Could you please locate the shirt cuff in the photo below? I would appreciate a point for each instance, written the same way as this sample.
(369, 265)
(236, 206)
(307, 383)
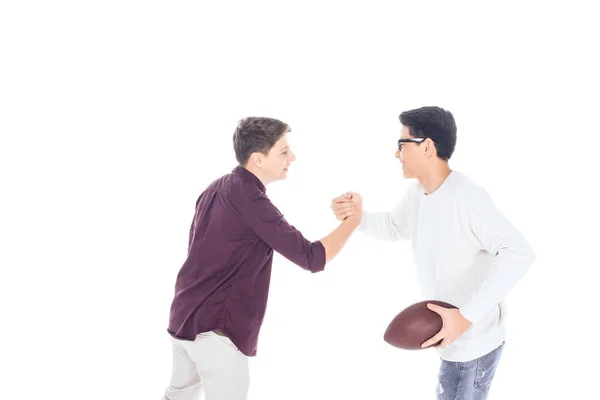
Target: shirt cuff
(473, 312)
(317, 263)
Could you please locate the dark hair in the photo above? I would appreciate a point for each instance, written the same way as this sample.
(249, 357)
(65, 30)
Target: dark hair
(434, 123)
(256, 134)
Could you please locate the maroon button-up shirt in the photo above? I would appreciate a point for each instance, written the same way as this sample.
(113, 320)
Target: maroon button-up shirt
(224, 282)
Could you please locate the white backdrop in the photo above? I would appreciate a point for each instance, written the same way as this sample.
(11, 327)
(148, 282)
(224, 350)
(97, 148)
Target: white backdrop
(115, 115)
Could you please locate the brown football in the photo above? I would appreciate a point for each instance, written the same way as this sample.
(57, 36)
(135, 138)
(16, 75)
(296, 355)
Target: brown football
(414, 325)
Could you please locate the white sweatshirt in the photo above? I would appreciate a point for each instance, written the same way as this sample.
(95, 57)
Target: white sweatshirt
(466, 252)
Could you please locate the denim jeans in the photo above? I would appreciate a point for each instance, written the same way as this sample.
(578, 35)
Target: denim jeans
(469, 380)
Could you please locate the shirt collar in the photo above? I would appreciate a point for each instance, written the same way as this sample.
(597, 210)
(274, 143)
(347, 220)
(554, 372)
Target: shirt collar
(249, 176)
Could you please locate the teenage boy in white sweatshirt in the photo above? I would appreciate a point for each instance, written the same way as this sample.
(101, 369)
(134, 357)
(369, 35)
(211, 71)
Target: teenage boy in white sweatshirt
(467, 253)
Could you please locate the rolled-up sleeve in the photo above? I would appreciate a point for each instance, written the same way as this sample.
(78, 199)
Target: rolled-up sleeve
(270, 226)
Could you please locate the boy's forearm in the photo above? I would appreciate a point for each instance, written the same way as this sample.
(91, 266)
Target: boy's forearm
(335, 241)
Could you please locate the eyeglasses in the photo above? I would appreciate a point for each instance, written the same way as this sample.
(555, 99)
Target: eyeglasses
(410, 140)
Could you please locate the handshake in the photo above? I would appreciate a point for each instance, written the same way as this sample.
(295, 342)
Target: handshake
(348, 206)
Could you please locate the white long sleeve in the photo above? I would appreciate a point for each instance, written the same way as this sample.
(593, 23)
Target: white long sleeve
(392, 225)
(512, 255)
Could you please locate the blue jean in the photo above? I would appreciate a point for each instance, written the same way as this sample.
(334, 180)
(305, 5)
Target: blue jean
(469, 380)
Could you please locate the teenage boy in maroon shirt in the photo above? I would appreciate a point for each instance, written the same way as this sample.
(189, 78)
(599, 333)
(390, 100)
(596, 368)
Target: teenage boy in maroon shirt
(222, 288)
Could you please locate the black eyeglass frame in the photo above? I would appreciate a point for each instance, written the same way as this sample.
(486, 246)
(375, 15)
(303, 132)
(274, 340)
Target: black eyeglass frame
(410, 140)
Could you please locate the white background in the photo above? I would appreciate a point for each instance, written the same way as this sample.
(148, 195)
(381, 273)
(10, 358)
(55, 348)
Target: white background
(115, 115)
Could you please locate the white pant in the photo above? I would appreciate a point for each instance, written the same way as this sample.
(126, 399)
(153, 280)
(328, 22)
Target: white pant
(211, 363)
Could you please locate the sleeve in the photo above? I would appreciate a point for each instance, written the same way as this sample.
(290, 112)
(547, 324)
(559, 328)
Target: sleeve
(391, 225)
(512, 254)
(270, 226)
